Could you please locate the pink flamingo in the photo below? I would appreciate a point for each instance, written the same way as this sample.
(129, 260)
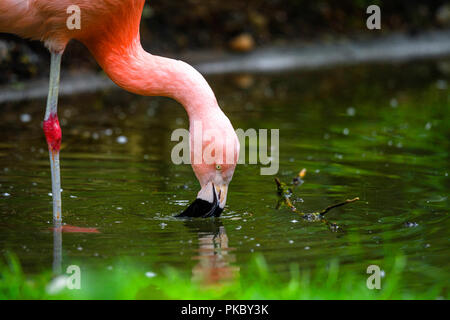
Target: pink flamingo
(110, 30)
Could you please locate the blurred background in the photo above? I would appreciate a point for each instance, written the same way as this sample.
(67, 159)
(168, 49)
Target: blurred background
(198, 28)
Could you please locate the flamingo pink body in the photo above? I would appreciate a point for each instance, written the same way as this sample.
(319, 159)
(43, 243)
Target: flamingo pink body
(110, 30)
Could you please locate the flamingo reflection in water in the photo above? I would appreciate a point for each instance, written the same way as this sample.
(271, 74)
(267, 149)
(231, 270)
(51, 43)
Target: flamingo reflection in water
(215, 258)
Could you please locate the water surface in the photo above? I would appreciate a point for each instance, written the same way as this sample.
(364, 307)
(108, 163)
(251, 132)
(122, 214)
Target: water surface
(379, 132)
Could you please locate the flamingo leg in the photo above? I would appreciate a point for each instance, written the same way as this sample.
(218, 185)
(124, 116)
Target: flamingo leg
(52, 132)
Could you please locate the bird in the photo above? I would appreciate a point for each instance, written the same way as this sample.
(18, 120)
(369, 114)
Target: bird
(110, 31)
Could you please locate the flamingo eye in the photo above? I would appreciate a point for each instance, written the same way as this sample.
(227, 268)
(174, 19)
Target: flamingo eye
(218, 167)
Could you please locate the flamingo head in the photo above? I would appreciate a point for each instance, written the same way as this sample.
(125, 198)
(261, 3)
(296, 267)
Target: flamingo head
(214, 155)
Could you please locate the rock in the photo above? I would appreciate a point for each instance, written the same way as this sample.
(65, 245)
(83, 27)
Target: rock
(244, 81)
(242, 43)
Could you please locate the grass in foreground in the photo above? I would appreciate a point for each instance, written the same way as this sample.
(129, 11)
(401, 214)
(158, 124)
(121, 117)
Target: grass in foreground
(126, 281)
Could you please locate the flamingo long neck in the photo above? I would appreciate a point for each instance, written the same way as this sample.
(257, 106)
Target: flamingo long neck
(140, 72)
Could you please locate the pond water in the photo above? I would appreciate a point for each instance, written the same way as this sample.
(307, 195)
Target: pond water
(378, 132)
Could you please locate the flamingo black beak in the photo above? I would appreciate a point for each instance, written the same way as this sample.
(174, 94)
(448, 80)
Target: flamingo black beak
(210, 202)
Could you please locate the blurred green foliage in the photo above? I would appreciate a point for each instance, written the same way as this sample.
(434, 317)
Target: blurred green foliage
(258, 282)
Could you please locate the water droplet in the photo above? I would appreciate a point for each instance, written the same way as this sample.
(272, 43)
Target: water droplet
(441, 84)
(25, 117)
(351, 111)
(122, 139)
(410, 224)
(346, 131)
(150, 274)
(307, 248)
(291, 241)
(393, 103)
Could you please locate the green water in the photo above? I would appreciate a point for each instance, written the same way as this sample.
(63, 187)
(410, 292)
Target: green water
(378, 132)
